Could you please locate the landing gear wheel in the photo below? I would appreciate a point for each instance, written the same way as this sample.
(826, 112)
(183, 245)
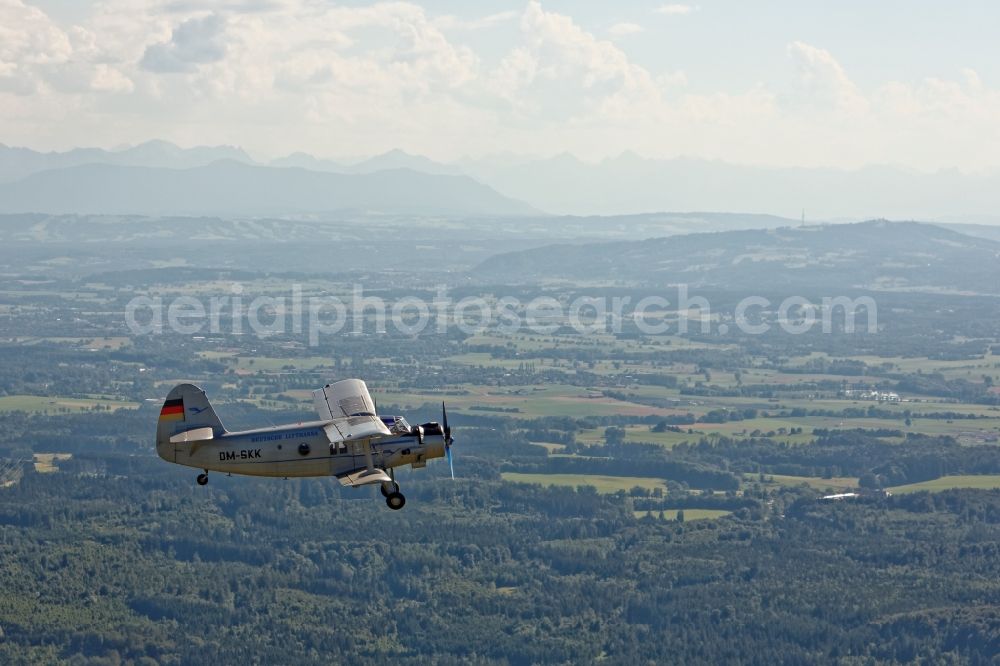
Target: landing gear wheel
(385, 493)
(202, 479)
(395, 501)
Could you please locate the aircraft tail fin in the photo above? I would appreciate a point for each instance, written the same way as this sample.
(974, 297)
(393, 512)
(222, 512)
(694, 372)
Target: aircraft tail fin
(186, 408)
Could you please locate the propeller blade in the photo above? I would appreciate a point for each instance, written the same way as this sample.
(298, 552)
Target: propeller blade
(446, 429)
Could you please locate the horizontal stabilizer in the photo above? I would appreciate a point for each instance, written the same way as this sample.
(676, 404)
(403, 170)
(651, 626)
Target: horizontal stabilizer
(365, 477)
(194, 435)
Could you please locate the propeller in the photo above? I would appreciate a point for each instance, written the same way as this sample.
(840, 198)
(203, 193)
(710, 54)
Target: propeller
(448, 441)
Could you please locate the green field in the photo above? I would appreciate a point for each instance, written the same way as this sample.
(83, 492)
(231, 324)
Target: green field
(837, 483)
(48, 462)
(604, 484)
(50, 405)
(640, 433)
(89, 343)
(689, 514)
(251, 364)
(529, 401)
(643, 434)
(984, 481)
(552, 447)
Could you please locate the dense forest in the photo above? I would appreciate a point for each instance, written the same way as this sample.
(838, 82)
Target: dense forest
(147, 568)
(119, 557)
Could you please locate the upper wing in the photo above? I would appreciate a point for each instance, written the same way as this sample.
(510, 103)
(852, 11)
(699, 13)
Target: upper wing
(350, 409)
(348, 397)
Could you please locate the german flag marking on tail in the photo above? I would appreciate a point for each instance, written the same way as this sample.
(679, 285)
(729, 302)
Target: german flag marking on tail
(173, 410)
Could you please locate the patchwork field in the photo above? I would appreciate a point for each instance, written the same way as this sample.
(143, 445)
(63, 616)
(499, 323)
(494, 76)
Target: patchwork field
(525, 401)
(49, 405)
(836, 484)
(985, 481)
(47, 462)
(689, 514)
(603, 484)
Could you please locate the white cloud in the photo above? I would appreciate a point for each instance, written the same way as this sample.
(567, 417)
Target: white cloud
(577, 76)
(675, 10)
(451, 22)
(37, 56)
(623, 29)
(193, 42)
(824, 81)
(282, 75)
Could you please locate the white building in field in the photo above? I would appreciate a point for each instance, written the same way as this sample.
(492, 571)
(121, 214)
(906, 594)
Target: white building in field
(872, 394)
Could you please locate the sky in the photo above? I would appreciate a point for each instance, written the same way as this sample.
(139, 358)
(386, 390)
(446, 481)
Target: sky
(779, 82)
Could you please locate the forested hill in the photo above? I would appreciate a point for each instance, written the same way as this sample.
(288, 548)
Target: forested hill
(875, 254)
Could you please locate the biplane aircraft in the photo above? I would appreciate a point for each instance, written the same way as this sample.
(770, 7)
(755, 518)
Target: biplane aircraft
(349, 441)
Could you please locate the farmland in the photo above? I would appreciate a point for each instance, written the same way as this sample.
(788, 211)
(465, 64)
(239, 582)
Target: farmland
(603, 484)
(628, 484)
(983, 482)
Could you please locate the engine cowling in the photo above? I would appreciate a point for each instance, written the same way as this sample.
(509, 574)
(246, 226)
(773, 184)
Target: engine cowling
(433, 428)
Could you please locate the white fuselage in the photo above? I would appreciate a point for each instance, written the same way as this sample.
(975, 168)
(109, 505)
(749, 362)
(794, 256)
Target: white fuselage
(298, 450)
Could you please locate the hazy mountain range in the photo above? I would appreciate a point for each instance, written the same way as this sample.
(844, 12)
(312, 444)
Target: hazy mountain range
(630, 183)
(228, 187)
(394, 159)
(504, 185)
(17, 163)
(869, 255)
